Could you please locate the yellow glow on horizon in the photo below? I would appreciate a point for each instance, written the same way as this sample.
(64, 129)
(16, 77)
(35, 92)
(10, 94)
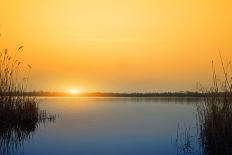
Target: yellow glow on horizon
(74, 91)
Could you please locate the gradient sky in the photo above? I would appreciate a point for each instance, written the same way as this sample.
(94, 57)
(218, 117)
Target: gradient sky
(118, 45)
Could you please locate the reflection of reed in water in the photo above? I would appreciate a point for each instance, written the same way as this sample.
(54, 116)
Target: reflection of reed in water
(215, 124)
(19, 113)
(14, 132)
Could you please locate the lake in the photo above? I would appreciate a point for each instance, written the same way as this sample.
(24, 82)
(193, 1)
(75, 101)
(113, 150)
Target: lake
(111, 126)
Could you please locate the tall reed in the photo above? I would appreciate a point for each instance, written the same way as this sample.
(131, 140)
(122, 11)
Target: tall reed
(215, 114)
(19, 112)
(14, 105)
(214, 118)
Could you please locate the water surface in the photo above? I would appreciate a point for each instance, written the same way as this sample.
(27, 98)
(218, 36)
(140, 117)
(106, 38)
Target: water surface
(111, 126)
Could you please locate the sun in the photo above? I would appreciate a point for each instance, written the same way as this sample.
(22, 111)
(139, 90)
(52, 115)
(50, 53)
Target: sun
(74, 91)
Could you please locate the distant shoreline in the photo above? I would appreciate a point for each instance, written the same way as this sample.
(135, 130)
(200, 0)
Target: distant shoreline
(109, 94)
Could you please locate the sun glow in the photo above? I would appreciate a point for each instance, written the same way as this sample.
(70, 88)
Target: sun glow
(74, 91)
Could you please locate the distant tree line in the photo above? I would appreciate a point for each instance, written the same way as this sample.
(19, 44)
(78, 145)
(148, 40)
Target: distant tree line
(110, 94)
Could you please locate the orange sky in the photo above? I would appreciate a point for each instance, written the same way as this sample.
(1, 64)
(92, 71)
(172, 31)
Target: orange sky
(118, 45)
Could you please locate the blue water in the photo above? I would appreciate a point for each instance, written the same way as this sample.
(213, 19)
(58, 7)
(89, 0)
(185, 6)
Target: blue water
(111, 126)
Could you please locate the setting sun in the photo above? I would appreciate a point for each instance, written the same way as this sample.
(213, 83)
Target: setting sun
(74, 91)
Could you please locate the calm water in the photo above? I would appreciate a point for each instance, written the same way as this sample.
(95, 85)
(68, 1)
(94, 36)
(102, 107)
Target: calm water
(111, 126)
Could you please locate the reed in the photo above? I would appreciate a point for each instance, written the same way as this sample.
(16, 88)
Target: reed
(19, 112)
(215, 114)
(14, 105)
(214, 118)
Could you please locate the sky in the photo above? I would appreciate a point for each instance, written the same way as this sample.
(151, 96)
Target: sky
(118, 45)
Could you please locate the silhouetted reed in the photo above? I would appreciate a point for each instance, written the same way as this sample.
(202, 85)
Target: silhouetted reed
(214, 117)
(19, 112)
(215, 114)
